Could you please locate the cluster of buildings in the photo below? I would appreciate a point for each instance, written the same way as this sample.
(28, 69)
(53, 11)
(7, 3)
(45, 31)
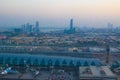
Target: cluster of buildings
(62, 56)
(29, 28)
(71, 40)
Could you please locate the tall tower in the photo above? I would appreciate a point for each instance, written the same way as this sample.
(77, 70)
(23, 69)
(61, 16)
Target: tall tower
(108, 54)
(37, 27)
(71, 29)
(110, 26)
(23, 28)
(71, 24)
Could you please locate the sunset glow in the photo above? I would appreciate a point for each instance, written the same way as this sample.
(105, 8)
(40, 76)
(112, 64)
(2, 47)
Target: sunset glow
(85, 12)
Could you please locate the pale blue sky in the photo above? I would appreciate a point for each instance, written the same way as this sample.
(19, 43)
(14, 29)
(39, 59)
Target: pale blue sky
(56, 13)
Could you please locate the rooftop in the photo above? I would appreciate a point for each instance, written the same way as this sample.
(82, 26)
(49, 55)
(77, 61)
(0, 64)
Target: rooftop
(94, 71)
(47, 58)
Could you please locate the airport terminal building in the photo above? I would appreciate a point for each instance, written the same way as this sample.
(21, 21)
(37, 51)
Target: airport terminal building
(44, 60)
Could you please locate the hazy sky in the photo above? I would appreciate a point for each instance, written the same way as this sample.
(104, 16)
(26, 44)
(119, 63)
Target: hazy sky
(96, 13)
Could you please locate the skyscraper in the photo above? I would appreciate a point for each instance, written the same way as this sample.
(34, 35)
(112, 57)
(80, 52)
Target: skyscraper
(110, 26)
(71, 24)
(37, 27)
(28, 28)
(23, 28)
(71, 29)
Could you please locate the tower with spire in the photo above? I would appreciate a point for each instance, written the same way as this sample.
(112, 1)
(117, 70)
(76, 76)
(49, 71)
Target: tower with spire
(71, 30)
(108, 54)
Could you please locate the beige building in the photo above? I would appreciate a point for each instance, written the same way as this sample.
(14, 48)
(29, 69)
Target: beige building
(96, 73)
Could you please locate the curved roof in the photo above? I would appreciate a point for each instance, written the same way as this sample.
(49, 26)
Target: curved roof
(53, 59)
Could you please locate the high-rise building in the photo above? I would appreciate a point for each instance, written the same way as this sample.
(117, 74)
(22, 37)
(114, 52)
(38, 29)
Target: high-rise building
(23, 28)
(37, 27)
(71, 29)
(71, 24)
(110, 26)
(29, 28)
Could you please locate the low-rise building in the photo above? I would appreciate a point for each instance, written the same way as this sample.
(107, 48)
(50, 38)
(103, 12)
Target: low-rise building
(96, 73)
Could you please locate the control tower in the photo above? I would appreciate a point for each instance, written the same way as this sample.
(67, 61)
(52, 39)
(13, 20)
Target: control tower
(108, 54)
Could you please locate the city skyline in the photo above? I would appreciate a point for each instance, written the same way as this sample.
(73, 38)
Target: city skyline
(57, 13)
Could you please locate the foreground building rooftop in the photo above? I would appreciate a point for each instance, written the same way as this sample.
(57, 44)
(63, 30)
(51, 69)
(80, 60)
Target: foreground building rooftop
(96, 73)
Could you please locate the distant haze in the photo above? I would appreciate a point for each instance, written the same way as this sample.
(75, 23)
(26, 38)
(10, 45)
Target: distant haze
(57, 13)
